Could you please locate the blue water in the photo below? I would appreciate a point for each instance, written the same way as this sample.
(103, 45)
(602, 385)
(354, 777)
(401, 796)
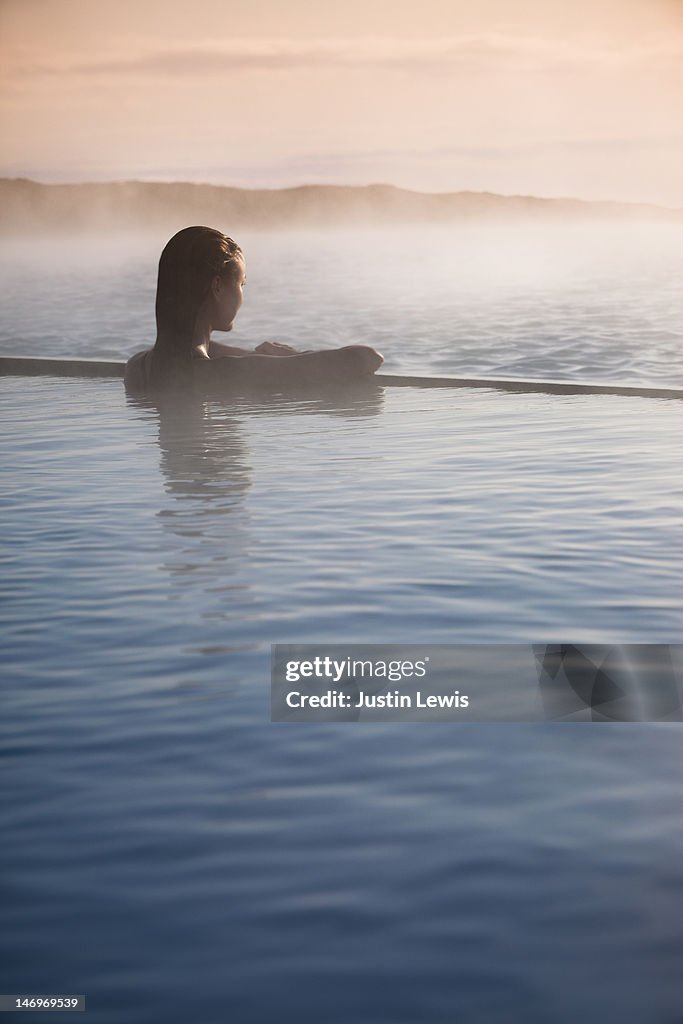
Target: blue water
(176, 857)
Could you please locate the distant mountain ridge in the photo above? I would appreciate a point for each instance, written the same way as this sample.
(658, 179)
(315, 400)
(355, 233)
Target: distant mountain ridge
(30, 206)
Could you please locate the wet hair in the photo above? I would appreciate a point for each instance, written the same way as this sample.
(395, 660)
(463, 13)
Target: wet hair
(187, 266)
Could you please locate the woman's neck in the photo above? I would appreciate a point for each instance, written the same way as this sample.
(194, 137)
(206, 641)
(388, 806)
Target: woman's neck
(200, 343)
(202, 334)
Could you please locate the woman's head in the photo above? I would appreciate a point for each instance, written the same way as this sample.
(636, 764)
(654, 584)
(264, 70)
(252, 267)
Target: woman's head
(201, 272)
(224, 298)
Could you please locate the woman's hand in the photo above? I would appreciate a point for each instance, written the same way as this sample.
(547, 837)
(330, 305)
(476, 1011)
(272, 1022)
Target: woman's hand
(275, 348)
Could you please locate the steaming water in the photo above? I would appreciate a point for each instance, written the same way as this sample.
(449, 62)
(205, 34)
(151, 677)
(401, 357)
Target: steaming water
(176, 857)
(573, 302)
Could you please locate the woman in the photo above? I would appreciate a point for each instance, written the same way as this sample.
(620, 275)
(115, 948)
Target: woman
(200, 287)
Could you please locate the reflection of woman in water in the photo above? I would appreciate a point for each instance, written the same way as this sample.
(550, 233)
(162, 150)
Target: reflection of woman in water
(200, 286)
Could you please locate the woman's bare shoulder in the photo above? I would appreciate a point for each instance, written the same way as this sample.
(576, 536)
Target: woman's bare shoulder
(136, 370)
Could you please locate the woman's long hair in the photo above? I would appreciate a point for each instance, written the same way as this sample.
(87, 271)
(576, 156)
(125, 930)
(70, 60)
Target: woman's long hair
(187, 267)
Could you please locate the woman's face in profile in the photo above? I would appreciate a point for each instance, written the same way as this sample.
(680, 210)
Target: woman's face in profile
(227, 294)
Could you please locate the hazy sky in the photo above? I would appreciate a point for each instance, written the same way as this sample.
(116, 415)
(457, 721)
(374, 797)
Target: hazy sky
(543, 97)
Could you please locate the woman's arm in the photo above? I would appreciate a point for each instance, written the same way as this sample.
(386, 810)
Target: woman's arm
(353, 362)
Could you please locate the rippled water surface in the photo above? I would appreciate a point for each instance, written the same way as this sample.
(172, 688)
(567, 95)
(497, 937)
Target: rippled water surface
(578, 302)
(176, 857)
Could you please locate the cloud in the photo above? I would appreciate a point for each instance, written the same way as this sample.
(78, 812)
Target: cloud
(481, 51)
(365, 163)
(511, 151)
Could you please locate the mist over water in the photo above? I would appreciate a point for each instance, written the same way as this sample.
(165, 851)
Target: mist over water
(568, 301)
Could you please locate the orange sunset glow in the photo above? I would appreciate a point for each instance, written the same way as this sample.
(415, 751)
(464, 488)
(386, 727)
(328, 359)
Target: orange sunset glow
(543, 98)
